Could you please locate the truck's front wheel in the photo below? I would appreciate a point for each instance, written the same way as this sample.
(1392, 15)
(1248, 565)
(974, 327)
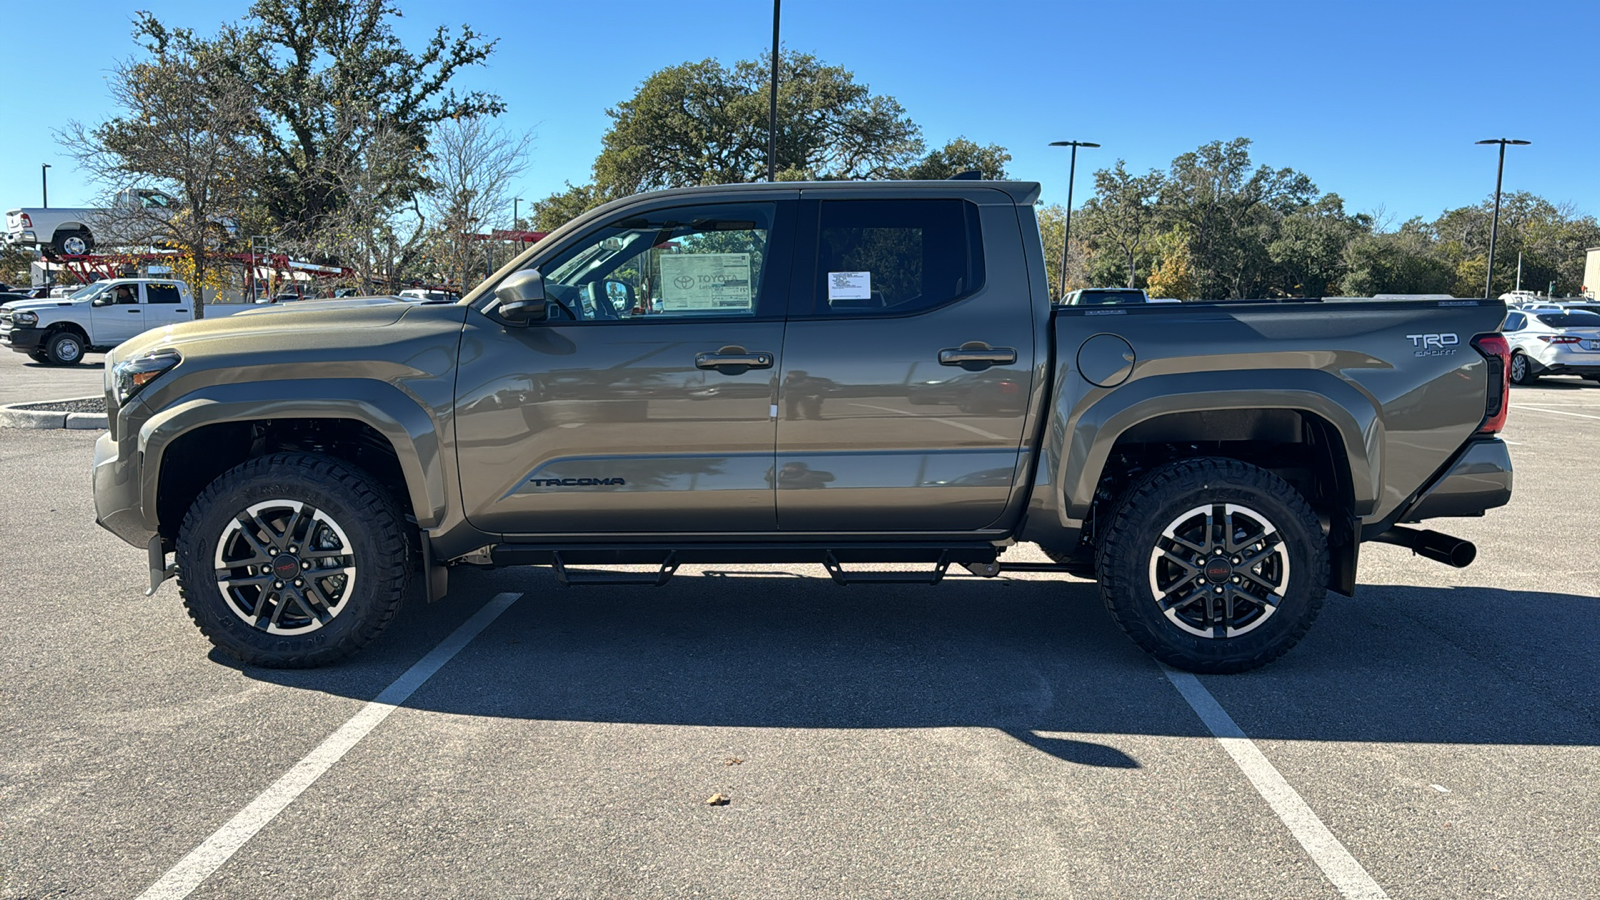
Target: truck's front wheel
(64, 348)
(1214, 565)
(293, 560)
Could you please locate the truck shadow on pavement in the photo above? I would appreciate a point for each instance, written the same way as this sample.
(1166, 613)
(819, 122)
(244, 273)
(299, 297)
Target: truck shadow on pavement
(1038, 660)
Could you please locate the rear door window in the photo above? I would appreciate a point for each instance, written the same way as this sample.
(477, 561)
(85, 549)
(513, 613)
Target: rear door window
(162, 293)
(894, 257)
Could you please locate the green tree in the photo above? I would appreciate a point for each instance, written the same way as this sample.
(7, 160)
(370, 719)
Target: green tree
(1122, 216)
(308, 62)
(562, 207)
(1230, 209)
(1308, 253)
(1397, 262)
(703, 123)
(960, 155)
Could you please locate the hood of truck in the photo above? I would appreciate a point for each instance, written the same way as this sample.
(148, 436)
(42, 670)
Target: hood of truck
(269, 328)
(17, 306)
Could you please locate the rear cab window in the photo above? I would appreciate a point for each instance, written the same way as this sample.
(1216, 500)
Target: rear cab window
(893, 257)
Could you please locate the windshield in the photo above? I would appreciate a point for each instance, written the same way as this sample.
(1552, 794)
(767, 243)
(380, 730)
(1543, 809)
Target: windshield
(93, 290)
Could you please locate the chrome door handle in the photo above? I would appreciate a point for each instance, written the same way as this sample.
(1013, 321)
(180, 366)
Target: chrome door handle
(728, 357)
(977, 354)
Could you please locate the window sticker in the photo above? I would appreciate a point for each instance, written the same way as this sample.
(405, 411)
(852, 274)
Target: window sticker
(705, 281)
(849, 286)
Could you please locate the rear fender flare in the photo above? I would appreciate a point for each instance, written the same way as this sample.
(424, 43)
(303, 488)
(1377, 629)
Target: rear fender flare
(1096, 428)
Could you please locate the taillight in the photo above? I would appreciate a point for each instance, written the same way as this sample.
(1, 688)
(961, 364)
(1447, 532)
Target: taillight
(1559, 339)
(27, 222)
(1497, 352)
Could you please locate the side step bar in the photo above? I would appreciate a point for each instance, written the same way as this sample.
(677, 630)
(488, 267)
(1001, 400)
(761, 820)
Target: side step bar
(1451, 551)
(977, 557)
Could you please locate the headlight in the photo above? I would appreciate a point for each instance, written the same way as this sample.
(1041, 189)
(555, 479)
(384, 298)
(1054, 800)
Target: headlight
(132, 375)
(25, 319)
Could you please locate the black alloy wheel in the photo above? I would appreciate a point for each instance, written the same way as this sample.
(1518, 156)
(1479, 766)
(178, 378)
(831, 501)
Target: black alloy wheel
(1213, 565)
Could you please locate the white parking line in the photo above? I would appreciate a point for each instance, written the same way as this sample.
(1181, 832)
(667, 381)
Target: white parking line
(195, 868)
(1555, 412)
(1331, 857)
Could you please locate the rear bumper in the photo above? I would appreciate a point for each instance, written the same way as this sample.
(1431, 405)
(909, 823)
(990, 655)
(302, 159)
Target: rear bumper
(1478, 480)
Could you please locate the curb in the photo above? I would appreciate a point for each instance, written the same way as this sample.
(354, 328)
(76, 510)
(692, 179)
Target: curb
(11, 417)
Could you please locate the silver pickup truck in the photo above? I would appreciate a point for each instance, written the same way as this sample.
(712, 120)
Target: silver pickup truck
(850, 374)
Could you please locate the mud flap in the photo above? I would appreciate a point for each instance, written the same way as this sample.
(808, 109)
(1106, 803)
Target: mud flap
(159, 570)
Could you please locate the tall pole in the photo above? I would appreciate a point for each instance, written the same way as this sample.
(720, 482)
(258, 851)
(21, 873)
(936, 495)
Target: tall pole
(772, 103)
(1519, 271)
(1494, 226)
(1066, 237)
(516, 220)
(44, 183)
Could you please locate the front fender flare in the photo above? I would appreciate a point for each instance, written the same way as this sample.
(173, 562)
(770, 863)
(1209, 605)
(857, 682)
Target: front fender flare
(396, 415)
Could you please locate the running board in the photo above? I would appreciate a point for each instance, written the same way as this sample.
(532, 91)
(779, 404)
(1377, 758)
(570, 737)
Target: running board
(977, 557)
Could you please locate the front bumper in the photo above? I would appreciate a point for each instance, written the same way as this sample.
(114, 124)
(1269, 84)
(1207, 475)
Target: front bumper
(117, 490)
(1479, 480)
(23, 340)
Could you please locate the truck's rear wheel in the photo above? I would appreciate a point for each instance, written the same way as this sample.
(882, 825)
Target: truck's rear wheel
(1214, 565)
(73, 243)
(293, 560)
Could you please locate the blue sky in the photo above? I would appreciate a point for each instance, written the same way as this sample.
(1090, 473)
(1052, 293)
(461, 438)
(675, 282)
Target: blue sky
(1379, 102)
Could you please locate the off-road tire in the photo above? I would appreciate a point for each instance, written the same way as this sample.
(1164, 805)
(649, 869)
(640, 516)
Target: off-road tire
(65, 348)
(1129, 553)
(369, 518)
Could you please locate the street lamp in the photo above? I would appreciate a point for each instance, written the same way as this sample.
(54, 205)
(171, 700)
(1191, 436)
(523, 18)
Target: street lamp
(1494, 227)
(44, 181)
(1071, 174)
(772, 103)
(516, 203)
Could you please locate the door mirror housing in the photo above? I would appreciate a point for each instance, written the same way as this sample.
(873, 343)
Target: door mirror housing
(104, 299)
(522, 299)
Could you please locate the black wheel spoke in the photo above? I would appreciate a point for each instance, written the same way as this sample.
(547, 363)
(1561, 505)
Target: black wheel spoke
(247, 531)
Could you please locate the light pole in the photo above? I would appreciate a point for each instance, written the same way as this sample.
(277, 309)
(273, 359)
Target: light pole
(772, 103)
(516, 204)
(44, 183)
(1494, 227)
(1072, 172)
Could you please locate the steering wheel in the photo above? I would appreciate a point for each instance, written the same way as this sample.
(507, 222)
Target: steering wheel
(600, 301)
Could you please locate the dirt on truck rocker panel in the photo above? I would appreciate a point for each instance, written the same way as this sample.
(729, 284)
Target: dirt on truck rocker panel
(843, 373)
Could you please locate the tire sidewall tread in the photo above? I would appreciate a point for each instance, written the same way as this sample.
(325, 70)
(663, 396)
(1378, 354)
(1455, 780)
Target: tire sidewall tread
(371, 519)
(1151, 503)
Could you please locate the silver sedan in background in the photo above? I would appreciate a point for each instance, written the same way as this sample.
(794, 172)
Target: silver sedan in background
(1553, 341)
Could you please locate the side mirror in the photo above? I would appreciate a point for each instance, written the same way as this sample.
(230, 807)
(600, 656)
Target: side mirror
(522, 299)
(102, 300)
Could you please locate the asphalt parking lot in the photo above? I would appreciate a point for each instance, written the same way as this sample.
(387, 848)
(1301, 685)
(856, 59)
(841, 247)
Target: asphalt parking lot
(981, 738)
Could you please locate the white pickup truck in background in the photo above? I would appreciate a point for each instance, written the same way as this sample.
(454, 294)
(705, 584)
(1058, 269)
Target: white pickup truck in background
(98, 317)
(131, 219)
